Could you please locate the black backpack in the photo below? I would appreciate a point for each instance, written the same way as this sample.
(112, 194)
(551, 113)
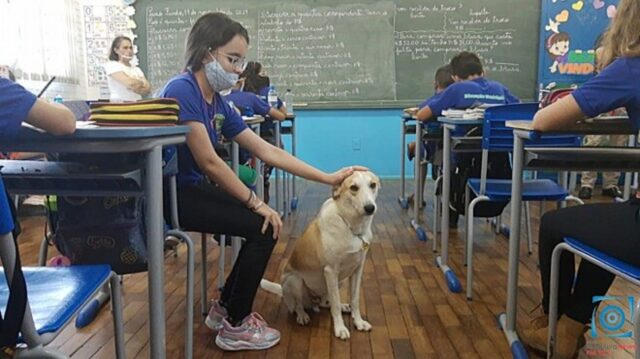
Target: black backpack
(468, 165)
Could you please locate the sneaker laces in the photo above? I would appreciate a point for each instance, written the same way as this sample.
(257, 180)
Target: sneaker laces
(253, 324)
(259, 318)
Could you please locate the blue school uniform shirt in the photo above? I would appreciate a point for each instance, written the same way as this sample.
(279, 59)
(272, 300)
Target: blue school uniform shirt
(464, 94)
(193, 107)
(263, 94)
(242, 99)
(430, 100)
(15, 104)
(615, 86)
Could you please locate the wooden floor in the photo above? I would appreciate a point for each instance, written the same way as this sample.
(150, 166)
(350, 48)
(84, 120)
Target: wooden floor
(405, 298)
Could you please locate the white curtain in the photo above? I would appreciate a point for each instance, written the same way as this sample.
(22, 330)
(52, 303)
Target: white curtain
(40, 39)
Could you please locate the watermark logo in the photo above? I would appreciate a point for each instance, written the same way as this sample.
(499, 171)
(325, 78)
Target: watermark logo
(608, 320)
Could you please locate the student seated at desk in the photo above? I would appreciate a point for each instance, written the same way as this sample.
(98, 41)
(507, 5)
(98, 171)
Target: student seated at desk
(211, 198)
(470, 88)
(18, 105)
(251, 102)
(443, 78)
(612, 228)
(257, 81)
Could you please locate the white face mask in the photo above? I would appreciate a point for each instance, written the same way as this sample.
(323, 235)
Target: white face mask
(219, 78)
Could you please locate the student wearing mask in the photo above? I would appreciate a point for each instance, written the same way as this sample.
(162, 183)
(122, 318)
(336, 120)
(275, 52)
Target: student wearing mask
(126, 81)
(211, 198)
(612, 228)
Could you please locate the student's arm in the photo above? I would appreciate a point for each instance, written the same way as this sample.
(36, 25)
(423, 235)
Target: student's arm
(279, 158)
(509, 97)
(433, 107)
(560, 115)
(424, 114)
(277, 114)
(218, 171)
(51, 117)
(139, 86)
(614, 87)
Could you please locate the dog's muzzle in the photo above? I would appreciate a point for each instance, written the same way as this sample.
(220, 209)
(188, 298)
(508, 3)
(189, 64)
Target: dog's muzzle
(369, 209)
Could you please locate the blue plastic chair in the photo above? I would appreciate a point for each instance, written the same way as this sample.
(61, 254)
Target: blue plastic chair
(496, 137)
(602, 260)
(54, 295)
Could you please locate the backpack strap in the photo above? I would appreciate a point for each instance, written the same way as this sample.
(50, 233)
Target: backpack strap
(16, 305)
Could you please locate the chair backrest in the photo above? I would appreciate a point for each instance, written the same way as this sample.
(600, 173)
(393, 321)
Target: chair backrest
(496, 137)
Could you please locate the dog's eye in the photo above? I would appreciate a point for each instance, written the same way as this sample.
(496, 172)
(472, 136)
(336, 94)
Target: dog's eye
(372, 185)
(354, 188)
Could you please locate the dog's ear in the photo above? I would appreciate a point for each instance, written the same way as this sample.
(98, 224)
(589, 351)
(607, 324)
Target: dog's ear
(337, 190)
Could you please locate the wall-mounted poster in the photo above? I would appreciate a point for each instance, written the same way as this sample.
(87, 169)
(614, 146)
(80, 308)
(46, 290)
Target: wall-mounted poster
(569, 30)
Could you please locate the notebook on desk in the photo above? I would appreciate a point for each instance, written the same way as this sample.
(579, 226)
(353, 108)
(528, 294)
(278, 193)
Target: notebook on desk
(79, 108)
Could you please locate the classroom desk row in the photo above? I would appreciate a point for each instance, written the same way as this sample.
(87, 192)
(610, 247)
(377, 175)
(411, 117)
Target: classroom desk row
(548, 158)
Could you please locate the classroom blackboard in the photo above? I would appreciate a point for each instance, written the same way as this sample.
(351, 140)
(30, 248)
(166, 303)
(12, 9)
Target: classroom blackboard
(365, 54)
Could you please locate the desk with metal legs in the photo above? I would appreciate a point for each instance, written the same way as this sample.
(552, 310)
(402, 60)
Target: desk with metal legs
(580, 158)
(148, 141)
(449, 125)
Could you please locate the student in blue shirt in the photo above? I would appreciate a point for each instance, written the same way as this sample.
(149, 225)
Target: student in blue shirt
(470, 88)
(442, 79)
(256, 81)
(211, 198)
(18, 105)
(613, 228)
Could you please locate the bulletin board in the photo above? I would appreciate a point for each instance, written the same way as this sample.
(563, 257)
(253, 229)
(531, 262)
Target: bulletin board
(569, 30)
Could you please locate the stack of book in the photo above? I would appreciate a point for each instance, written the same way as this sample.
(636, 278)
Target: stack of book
(474, 113)
(154, 112)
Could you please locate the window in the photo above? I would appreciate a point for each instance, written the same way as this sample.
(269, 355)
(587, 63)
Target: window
(41, 38)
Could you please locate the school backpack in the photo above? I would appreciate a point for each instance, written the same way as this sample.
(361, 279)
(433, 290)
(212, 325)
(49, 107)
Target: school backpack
(554, 95)
(468, 165)
(105, 229)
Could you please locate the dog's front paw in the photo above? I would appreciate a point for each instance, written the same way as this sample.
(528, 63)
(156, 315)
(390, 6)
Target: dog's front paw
(362, 325)
(345, 308)
(303, 318)
(341, 332)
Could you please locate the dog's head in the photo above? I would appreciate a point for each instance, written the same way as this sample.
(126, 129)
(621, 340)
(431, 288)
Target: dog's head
(358, 192)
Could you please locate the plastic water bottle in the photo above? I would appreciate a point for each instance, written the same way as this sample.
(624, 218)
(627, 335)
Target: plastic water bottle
(288, 101)
(272, 97)
(57, 99)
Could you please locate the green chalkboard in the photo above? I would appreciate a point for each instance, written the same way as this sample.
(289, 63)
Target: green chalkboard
(365, 54)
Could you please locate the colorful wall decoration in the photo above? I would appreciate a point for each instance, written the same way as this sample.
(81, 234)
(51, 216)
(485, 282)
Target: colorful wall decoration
(569, 30)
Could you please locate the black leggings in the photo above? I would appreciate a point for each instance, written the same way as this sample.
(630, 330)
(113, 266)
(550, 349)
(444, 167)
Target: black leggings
(209, 209)
(611, 228)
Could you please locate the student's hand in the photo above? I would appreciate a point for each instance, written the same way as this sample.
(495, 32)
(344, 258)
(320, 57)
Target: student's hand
(271, 217)
(411, 111)
(337, 177)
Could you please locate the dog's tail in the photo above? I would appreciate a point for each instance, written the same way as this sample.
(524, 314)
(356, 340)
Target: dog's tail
(271, 287)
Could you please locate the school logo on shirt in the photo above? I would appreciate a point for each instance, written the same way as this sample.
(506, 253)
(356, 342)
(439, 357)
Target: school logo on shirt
(216, 122)
(480, 96)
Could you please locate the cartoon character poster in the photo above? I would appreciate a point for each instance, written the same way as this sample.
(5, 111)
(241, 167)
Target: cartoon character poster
(568, 34)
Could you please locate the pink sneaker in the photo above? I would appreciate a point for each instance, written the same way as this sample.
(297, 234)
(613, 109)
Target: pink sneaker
(216, 314)
(251, 334)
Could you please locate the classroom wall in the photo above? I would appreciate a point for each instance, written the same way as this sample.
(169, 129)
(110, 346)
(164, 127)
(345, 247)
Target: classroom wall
(331, 139)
